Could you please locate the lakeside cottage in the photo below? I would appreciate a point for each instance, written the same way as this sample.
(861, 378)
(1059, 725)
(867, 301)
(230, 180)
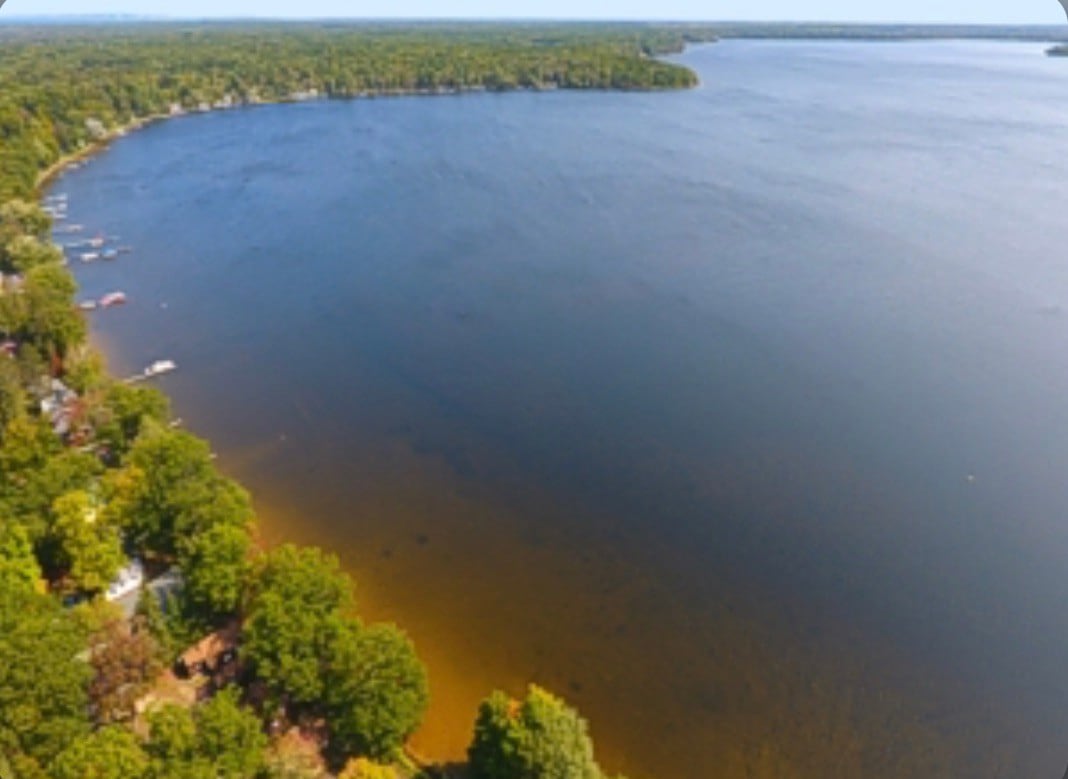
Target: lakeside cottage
(58, 405)
(214, 657)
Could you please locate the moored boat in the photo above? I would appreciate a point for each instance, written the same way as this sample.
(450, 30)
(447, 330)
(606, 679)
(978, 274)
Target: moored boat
(159, 367)
(113, 299)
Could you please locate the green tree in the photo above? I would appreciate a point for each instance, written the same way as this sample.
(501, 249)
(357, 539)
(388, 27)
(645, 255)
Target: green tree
(230, 737)
(376, 691)
(169, 490)
(119, 417)
(172, 745)
(30, 488)
(150, 610)
(89, 547)
(85, 371)
(53, 324)
(13, 399)
(218, 740)
(26, 252)
(537, 738)
(298, 598)
(215, 566)
(43, 700)
(19, 217)
(109, 753)
(18, 565)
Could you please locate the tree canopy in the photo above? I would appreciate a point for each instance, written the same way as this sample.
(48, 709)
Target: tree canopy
(299, 597)
(43, 683)
(376, 692)
(540, 737)
(109, 753)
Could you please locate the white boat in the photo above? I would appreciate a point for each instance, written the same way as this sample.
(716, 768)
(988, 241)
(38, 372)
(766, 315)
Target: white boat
(159, 367)
(113, 299)
(89, 256)
(88, 305)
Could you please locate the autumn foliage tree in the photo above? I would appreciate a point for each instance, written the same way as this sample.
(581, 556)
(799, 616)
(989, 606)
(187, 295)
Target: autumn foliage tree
(125, 663)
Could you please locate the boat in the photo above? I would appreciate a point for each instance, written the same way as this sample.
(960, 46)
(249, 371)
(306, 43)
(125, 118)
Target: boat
(89, 256)
(113, 299)
(159, 367)
(88, 305)
(95, 243)
(109, 254)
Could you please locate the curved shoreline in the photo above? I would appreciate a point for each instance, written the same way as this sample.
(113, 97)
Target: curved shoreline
(49, 175)
(452, 723)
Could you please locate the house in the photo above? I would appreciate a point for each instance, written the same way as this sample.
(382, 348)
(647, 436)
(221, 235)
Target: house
(215, 656)
(128, 581)
(58, 405)
(163, 587)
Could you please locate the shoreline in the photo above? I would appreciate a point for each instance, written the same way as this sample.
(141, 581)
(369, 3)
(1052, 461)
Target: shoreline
(49, 175)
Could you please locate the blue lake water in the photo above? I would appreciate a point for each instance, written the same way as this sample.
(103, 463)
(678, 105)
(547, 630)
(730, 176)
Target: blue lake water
(735, 415)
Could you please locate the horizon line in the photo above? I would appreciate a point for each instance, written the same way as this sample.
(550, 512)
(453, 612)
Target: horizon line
(119, 16)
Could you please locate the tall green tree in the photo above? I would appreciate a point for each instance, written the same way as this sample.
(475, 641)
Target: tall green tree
(540, 737)
(88, 546)
(19, 570)
(43, 681)
(218, 740)
(215, 566)
(53, 324)
(109, 753)
(119, 416)
(13, 398)
(21, 217)
(26, 252)
(376, 691)
(35, 471)
(296, 609)
(230, 737)
(171, 490)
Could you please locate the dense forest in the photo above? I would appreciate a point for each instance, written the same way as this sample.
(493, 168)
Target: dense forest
(233, 661)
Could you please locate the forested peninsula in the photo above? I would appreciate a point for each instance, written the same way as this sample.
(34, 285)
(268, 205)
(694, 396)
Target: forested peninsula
(143, 631)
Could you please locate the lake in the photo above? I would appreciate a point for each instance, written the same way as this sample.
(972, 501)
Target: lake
(736, 416)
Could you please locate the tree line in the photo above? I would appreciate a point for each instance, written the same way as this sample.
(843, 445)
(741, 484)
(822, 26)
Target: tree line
(117, 480)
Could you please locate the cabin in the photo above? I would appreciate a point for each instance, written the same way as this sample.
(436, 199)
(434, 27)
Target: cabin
(128, 581)
(214, 657)
(58, 405)
(129, 587)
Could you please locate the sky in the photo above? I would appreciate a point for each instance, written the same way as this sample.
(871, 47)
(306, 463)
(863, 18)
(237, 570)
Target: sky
(962, 11)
